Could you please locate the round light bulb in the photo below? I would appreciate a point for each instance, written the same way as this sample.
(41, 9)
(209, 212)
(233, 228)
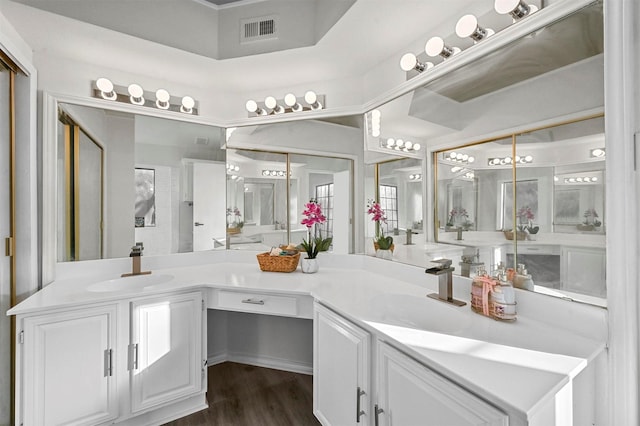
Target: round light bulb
(416, 147)
(555, 178)
(459, 156)
(187, 104)
(466, 26)
(452, 155)
(594, 179)
(104, 85)
(505, 6)
(290, 99)
(434, 46)
(471, 159)
(270, 102)
(578, 179)
(310, 97)
(408, 62)
(251, 105)
(135, 90)
(265, 173)
(399, 143)
(517, 158)
(528, 158)
(162, 95)
(408, 145)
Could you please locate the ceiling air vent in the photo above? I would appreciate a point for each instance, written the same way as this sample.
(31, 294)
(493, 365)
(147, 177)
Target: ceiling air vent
(262, 28)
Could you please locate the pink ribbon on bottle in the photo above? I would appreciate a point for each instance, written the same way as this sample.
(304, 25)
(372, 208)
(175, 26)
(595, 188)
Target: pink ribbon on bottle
(487, 287)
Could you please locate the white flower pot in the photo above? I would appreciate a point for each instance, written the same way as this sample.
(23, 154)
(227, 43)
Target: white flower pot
(384, 254)
(309, 266)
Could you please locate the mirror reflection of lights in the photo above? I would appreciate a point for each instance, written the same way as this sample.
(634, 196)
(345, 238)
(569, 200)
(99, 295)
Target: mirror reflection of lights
(274, 173)
(415, 176)
(580, 179)
(375, 118)
(400, 145)
(598, 153)
(459, 157)
(504, 161)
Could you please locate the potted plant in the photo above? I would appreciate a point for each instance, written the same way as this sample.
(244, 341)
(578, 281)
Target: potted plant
(234, 220)
(382, 244)
(313, 245)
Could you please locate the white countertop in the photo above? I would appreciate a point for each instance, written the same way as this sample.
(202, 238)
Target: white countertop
(516, 365)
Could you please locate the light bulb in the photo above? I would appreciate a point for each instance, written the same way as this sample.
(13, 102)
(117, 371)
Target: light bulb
(251, 105)
(435, 47)
(136, 94)
(516, 8)
(528, 158)
(391, 142)
(467, 26)
(416, 147)
(408, 145)
(594, 179)
(291, 101)
(162, 99)
(312, 99)
(106, 88)
(471, 159)
(187, 104)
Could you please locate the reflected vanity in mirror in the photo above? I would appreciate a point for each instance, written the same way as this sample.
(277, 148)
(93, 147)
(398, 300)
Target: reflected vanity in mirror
(165, 171)
(267, 191)
(550, 223)
(501, 107)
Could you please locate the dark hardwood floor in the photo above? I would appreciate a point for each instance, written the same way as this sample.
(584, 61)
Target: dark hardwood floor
(244, 395)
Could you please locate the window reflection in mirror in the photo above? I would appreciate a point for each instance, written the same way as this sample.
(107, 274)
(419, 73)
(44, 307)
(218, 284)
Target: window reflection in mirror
(551, 223)
(188, 209)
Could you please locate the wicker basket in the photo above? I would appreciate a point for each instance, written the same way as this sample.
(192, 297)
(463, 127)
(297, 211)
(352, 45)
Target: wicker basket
(270, 263)
(233, 231)
(519, 235)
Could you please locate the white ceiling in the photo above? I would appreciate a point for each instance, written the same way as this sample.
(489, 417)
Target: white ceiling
(368, 33)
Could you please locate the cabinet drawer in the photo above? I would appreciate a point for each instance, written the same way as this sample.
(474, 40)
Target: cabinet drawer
(257, 302)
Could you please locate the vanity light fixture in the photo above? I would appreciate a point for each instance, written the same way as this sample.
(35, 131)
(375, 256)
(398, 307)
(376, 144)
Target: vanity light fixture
(290, 103)
(400, 145)
(271, 103)
(162, 99)
(597, 153)
(458, 157)
(136, 94)
(375, 118)
(467, 26)
(504, 161)
(274, 173)
(409, 62)
(232, 168)
(187, 105)
(518, 9)
(435, 47)
(581, 179)
(105, 86)
(415, 176)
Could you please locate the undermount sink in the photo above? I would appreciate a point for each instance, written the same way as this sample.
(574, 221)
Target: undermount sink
(421, 313)
(137, 282)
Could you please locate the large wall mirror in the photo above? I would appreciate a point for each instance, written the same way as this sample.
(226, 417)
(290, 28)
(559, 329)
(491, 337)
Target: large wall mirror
(530, 98)
(124, 178)
(267, 191)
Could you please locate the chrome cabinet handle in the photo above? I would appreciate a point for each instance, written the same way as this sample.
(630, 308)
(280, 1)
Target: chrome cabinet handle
(378, 411)
(359, 412)
(133, 356)
(108, 362)
(253, 301)
(199, 224)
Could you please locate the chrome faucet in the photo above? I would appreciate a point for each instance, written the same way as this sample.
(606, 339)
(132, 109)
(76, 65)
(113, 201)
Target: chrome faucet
(444, 272)
(459, 233)
(135, 255)
(409, 234)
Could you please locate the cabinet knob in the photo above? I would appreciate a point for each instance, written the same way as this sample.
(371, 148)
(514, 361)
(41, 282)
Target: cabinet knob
(199, 224)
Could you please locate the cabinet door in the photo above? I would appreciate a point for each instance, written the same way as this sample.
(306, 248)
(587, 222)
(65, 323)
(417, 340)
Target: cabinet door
(583, 270)
(68, 367)
(165, 355)
(411, 394)
(340, 370)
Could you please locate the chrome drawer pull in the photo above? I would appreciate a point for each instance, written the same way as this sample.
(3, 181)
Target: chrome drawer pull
(253, 301)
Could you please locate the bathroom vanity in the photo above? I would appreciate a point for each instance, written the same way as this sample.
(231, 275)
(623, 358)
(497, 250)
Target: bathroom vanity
(98, 349)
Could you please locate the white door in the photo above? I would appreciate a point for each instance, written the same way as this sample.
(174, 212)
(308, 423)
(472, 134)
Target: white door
(341, 390)
(166, 349)
(411, 394)
(209, 205)
(69, 368)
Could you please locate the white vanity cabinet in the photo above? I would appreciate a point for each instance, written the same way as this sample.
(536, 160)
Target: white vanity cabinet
(408, 393)
(341, 368)
(583, 270)
(68, 367)
(132, 361)
(165, 354)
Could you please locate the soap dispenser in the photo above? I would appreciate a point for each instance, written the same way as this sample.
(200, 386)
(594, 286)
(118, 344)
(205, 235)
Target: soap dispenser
(502, 300)
(522, 279)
